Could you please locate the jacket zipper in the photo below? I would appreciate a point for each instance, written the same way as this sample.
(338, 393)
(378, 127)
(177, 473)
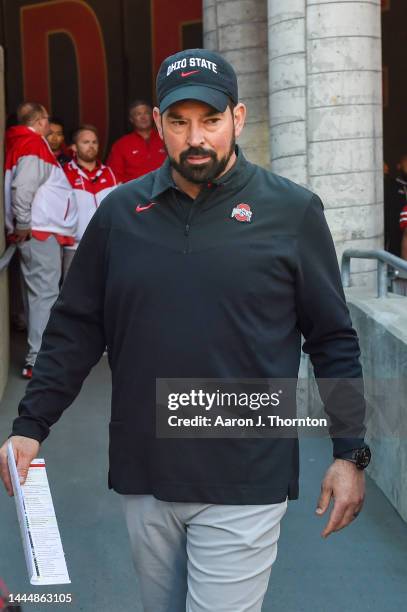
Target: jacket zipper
(187, 228)
(67, 209)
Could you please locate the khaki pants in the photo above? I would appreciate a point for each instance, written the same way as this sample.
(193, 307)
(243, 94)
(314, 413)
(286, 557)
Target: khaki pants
(40, 262)
(198, 557)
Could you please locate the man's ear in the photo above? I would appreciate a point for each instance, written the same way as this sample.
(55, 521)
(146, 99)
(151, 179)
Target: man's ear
(74, 147)
(158, 120)
(239, 118)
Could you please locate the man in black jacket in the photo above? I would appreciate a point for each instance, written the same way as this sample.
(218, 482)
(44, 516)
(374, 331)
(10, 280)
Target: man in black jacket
(208, 268)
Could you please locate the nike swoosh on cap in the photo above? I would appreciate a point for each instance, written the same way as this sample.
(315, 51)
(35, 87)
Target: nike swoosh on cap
(187, 74)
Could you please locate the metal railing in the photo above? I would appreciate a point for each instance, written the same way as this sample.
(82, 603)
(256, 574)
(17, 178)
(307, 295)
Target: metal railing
(6, 257)
(384, 259)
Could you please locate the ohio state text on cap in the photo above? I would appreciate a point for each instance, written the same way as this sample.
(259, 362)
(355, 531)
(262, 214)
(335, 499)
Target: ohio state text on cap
(196, 74)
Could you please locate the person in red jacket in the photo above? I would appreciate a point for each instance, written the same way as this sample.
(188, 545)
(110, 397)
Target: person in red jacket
(142, 150)
(90, 180)
(56, 140)
(403, 228)
(40, 215)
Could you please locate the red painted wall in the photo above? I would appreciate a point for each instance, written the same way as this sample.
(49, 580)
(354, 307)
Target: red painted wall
(86, 60)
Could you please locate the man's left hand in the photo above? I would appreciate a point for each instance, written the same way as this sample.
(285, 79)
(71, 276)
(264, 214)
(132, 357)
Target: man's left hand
(345, 484)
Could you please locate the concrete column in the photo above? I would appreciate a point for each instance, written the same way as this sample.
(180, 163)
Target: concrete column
(4, 318)
(287, 92)
(344, 122)
(326, 113)
(238, 30)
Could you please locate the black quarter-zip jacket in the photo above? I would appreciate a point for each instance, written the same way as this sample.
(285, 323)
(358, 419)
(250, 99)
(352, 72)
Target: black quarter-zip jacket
(181, 289)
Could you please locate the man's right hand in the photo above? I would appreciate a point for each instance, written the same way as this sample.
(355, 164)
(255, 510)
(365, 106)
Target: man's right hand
(22, 235)
(25, 450)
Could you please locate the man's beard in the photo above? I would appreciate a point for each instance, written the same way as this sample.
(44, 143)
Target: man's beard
(88, 157)
(202, 173)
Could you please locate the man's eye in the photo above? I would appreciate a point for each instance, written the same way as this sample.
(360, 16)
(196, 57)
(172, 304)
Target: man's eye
(178, 122)
(213, 120)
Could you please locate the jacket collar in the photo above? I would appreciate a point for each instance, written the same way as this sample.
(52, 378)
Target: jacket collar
(98, 169)
(237, 174)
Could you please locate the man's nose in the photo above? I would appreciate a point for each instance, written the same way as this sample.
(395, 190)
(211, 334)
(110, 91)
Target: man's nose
(196, 136)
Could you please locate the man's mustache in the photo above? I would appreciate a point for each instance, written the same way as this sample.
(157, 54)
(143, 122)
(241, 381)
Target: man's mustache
(197, 151)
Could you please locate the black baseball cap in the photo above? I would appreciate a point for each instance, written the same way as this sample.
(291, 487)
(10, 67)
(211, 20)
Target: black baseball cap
(196, 74)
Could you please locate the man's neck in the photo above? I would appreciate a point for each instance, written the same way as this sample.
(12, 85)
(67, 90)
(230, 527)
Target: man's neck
(89, 166)
(144, 133)
(194, 189)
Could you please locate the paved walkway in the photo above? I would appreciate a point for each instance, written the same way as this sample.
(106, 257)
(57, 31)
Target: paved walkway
(361, 569)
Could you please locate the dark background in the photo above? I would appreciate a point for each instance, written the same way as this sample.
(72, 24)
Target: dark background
(394, 41)
(128, 28)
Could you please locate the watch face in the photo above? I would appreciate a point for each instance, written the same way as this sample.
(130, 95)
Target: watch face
(363, 457)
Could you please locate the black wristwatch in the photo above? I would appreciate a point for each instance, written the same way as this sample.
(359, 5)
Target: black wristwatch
(359, 456)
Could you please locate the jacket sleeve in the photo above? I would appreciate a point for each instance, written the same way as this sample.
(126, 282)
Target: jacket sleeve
(117, 163)
(73, 341)
(31, 173)
(325, 323)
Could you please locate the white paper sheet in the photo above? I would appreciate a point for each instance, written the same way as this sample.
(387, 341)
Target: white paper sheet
(42, 544)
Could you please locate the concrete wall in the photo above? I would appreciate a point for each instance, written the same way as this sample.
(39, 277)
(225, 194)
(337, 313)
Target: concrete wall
(4, 318)
(382, 328)
(381, 324)
(238, 30)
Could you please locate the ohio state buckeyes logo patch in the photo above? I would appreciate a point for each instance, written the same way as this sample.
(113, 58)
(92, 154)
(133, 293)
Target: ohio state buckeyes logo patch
(242, 212)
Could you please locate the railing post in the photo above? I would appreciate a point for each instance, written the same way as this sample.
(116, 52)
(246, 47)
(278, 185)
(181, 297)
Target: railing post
(384, 259)
(381, 279)
(345, 273)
